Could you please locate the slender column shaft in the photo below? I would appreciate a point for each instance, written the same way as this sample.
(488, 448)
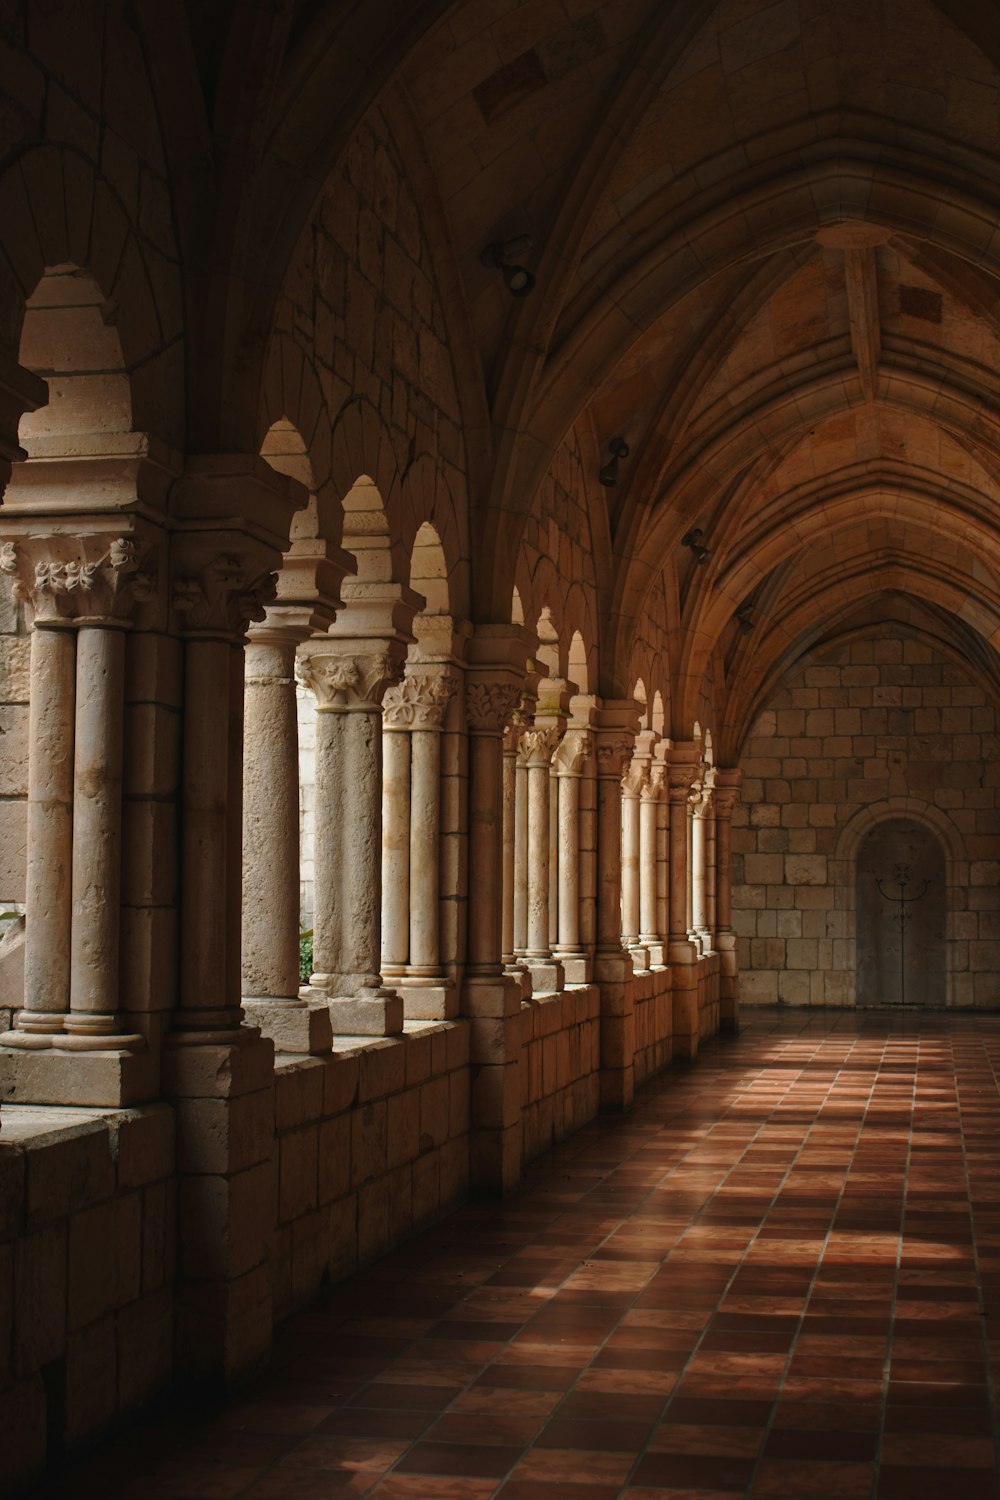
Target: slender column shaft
(425, 824)
(554, 860)
(97, 810)
(270, 823)
(521, 859)
(234, 826)
(358, 877)
(395, 851)
(48, 899)
(569, 862)
(509, 860)
(485, 852)
(630, 868)
(723, 873)
(538, 860)
(609, 863)
(663, 867)
(678, 866)
(710, 876)
(648, 924)
(205, 853)
(698, 871)
(330, 794)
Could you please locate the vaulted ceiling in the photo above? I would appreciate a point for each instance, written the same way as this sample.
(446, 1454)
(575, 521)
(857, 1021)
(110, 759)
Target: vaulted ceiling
(765, 236)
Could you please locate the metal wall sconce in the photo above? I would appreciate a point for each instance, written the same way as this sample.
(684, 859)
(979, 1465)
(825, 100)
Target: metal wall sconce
(693, 540)
(518, 280)
(608, 473)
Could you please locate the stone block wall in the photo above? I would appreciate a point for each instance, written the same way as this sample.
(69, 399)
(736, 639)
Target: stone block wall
(875, 728)
(560, 1062)
(87, 1269)
(653, 993)
(370, 1143)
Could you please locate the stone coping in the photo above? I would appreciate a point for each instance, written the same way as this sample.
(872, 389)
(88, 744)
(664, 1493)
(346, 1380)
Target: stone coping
(348, 1046)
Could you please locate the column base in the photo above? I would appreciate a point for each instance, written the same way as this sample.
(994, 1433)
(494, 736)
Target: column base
(547, 977)
(424, 1000)
(368, 1013)
(522, 975)
(613, 966)
(657, 952)
(578, 967)
(640, 956)
(107, 1077)
(296, 1026)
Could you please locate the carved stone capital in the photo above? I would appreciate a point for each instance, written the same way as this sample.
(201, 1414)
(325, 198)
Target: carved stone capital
(652, 791)
(219, 593)
(537, 745)
(488, 703)
(613, 754)
(635, 779)
(348, 675)
(706, 800)
(682, 779)
(76, 578)
(727, 793)
(421, 700)
(572, 752)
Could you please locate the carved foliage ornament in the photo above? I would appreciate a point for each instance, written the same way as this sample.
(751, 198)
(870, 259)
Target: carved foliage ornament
(73, 587)
(419, 701)
(224, 597)
(573, 751)
(349, 681)
(635, 781)
(613, 754)
(537, 745)
(487, 704)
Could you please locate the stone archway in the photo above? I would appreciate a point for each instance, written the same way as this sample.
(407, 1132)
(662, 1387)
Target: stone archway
(957, 987)
(901, 906)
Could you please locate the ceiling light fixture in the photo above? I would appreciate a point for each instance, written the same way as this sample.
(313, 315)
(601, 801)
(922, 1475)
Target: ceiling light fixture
(693, 540)
(608, 473)
(499, 256)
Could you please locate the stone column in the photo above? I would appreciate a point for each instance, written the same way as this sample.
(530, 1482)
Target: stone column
(414, 711)
(233, 514)
(635, 784)
(97, 814)
(395, 843)
(682, 774)
(710, 873)
(511, 742)
(82, 590)
(727, 791)
(570, 757)
(494, 679)
(270, 918)
(521, 855)
(652, 932)
(537, 745)
(614, 730)
(48, 903)
(349, 678)
(700, 811)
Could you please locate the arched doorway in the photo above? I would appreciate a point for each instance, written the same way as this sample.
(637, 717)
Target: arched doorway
(901, 916)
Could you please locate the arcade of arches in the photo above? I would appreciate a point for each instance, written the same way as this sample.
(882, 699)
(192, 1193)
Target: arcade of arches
(500, 511)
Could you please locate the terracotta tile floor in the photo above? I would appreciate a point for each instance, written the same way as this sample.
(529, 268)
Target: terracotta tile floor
(780, 1276)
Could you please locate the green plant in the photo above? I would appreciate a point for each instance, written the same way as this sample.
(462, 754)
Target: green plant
(305, 954)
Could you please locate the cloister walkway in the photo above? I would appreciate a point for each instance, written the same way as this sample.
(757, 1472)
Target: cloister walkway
(780, 1276)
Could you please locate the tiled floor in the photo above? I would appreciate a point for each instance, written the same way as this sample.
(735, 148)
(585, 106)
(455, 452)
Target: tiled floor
(779, 1277)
